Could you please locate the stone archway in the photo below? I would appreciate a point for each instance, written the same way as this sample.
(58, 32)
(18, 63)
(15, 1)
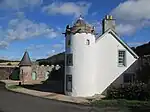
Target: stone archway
(34, 76)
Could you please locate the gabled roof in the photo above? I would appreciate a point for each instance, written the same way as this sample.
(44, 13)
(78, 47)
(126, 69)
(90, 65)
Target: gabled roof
(114, 34)
(25, 61)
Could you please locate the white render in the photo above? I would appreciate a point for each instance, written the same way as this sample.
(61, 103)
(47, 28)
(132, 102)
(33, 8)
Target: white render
(107, 60)
(84, 68)
(95, 66)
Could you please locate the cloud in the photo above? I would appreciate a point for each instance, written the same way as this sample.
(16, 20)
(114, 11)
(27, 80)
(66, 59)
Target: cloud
(52, 34)
(35, 47)
(94, 13)
(125, 29)
(51, 53)
(4, 57)
(133, 15)
(24, 29)
(20, 14)
(57, 46)
(4, 45)
(55, 49)
(21, 29)
(136, 43)
(13, 22)
(18, 4)
(67, 8)
(97, 25)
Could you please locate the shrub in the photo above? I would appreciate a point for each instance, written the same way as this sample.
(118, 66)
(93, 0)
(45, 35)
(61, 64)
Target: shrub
(132, 91)
(9, 63)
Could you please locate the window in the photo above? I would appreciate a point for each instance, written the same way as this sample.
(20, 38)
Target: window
(69, 83)
(128, 77)
(69, 42)
(21, 71)
(121, 58)
(87, 42)
(69, 60)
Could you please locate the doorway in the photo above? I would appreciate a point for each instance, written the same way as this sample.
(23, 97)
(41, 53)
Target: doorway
(34, 76)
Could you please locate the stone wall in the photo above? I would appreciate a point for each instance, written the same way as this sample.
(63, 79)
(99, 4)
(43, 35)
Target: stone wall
(43, 72)
(9, 73)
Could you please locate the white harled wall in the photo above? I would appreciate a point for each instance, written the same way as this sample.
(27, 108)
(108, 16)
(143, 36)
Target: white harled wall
(107, 61)
(95, 66)
(83, 69)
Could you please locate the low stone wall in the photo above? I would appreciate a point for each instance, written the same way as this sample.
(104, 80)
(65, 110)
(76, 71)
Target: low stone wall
(9, 73)
(41, 71)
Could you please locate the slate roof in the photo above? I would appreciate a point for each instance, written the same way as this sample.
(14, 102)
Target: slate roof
(25, 61)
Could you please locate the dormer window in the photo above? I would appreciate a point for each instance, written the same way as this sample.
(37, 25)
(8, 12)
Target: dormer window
(87, 42)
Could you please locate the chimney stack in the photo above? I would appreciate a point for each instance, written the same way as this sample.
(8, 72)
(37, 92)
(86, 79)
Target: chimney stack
(108, 23)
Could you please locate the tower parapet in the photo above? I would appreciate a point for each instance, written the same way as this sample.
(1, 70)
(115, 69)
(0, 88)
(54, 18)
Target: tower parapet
(80, 26)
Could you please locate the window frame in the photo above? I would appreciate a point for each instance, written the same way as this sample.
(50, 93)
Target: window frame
(122, 60)
(128, 77)
(68, 79)
(69, 42)
(69, 59)
(87, 42)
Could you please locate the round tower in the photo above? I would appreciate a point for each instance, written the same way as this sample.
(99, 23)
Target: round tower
(25, 68)
(80, 72)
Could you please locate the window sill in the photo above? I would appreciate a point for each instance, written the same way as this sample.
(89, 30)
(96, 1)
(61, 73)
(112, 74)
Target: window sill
(121, 66)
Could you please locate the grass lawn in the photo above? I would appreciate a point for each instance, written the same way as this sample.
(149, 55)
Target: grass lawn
(123, 105)
(14, 87)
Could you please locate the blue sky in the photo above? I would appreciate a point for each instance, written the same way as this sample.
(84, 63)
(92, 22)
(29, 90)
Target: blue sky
(37, 25)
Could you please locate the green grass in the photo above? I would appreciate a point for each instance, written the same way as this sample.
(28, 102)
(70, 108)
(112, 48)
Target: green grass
(121, 102)
(13, 87)
(133, 105)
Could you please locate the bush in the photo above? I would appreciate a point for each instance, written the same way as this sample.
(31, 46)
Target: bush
(9, 63)
(134, 91)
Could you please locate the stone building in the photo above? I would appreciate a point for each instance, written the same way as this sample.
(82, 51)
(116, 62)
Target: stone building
(32, 71)
(25, 68)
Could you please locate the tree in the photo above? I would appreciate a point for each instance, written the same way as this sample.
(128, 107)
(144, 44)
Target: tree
(143, 73)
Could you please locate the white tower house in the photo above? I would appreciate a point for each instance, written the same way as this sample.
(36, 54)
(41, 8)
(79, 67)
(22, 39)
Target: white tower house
(80, 74)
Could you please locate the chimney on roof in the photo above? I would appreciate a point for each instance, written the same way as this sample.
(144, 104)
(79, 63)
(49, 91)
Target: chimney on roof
(108, 23)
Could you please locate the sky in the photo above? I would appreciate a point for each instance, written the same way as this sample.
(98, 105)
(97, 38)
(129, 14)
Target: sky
(37, 25)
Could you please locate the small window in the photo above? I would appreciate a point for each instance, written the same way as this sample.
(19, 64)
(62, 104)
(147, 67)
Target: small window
(69, 42)
(69, 60)
(69, 83)
(87, 42)
(121, 58)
